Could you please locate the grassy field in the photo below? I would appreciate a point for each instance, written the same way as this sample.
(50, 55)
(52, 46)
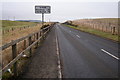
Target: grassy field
(6, 23)
(102, 20)
(15, 24)
(96, 32)
(103, 24)
(7, 37)
(109, 20)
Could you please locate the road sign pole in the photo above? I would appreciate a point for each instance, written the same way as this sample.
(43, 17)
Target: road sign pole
(42, 19)
(43, 24)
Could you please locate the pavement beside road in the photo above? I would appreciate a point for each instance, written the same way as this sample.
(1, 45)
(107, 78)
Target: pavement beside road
(44, 62)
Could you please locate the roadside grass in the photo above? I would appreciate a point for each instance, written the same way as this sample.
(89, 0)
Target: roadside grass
(6, 75)
(96, 32)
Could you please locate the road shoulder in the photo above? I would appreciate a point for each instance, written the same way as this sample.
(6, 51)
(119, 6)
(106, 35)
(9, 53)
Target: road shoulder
(44, 62)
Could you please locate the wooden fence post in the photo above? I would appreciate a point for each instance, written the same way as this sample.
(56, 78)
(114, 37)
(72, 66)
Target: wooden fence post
(39, 35)
(42, 33)
(24, 44)
(14, 54)
(34, 37)
(113, 30)
(37, 38)
(30, 42)
(49, 28)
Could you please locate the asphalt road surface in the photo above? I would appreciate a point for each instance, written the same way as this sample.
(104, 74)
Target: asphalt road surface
(86, 56)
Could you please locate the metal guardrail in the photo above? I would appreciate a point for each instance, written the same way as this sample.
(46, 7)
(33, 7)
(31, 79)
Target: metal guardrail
(40, 34)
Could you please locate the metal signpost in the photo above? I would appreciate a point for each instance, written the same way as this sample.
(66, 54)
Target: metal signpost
(42, 10)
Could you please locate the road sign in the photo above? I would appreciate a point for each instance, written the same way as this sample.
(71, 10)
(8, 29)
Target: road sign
(42, 9)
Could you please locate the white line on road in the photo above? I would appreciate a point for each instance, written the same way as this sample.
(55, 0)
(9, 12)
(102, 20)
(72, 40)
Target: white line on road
(59, 63)
(110, 54)
(70, 31)
(78, 36)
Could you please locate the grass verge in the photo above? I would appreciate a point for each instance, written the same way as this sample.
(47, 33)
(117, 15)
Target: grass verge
(96, 32)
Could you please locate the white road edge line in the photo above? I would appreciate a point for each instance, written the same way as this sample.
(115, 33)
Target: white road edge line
(78, 36)
(110, 54)
(59, 63)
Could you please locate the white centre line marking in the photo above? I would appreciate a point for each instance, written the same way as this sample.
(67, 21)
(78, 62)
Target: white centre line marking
(78, 36)
(110, 54)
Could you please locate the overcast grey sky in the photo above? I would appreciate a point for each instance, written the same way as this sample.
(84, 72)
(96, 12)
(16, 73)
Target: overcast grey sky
(62, 10)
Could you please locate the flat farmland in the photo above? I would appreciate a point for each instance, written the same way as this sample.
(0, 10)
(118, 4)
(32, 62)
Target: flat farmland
(13, 30)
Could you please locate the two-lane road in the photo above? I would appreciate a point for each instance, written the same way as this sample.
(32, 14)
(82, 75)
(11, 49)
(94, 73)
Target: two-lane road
(86, 56)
